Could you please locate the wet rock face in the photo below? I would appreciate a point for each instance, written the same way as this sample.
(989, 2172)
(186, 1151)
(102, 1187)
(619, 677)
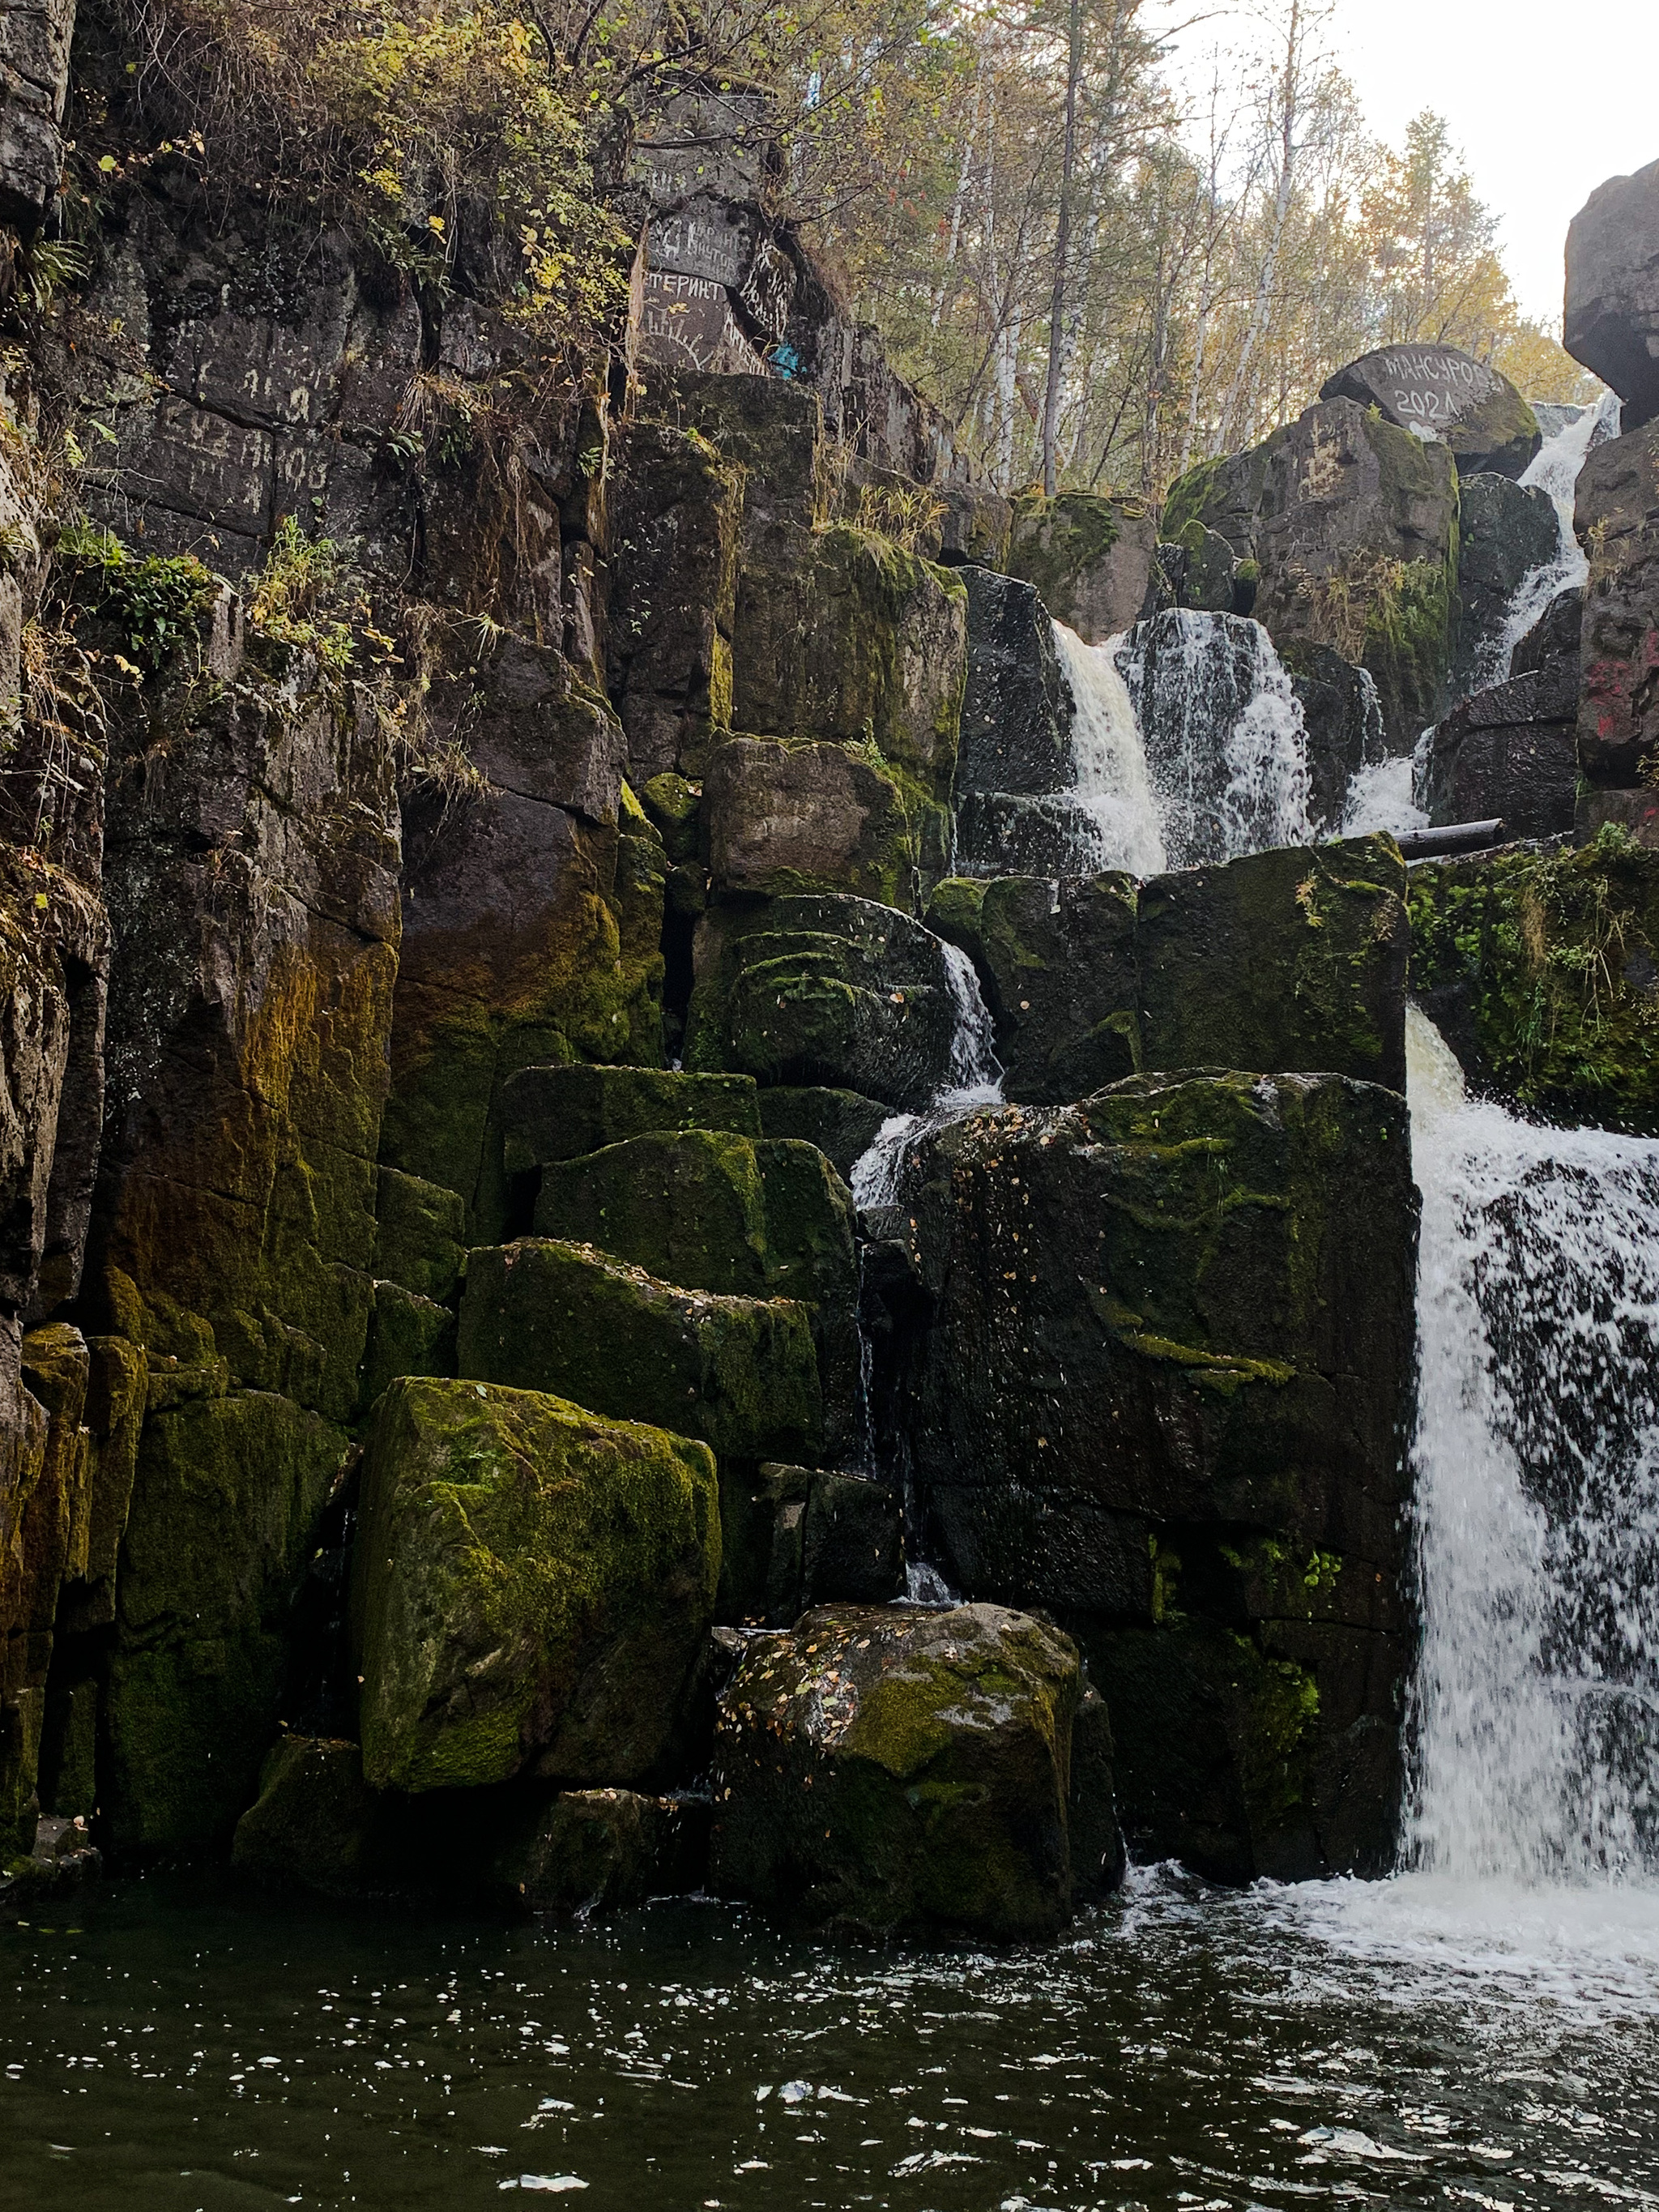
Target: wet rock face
(1617, 518)
(1350, 523)
(1504, 533)
(796, 1537)
(1342, 715)
(1016, 708)
(1509, 752)
(1613, 291)
(837, 991)
(532, 1588)
(877, 1770)
(1473, 409)
(1166, 1381)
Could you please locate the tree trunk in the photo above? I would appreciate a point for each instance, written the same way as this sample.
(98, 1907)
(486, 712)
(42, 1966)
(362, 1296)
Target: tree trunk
(1062, 249)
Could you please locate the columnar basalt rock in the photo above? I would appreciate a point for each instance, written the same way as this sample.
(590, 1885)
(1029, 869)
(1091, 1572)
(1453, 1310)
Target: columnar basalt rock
(531, 1590)
(1186, 1437)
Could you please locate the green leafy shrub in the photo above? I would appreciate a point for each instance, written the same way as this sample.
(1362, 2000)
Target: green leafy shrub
(157, 602)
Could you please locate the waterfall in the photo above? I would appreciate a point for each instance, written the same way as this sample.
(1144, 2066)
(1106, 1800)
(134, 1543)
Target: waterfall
(1536, 1701)
(1554, 469)
(1111, 788)
(1225, 745)
(973, 1079)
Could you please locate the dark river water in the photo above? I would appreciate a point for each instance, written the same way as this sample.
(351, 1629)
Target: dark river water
(172, 2044)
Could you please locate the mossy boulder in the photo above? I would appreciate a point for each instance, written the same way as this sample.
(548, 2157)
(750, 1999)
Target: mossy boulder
(227, 1496)
(1294, 958)
(315, 1824)
(1352, 524)
(550, 1113)
(824, 990)
(739, 1373)
(1016, 709)
(409, 1335)
(1463, 403)
(1168, 1378)
(1088, 554)
(782, 815)
(877, 1769)
(840, 634)
(531, 1588)
(842, 1124)
(1542, 971)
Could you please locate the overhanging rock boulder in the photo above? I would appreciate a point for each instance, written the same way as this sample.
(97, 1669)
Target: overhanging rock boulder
(1472, 409)
(1167, 1381)
(877, 1769)
(1613, 289)
(531, 1588)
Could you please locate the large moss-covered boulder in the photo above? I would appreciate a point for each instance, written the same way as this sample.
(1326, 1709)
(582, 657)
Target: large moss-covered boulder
(418, 1228)
(1466, 405)
(840, 634)
(877, 1770)
(550, 1113)
(781, 816)
(1059, 976)
(1350, 526)
(531, 1588)
(1617, 519)
(600, 1850)
(226, 1500)
(1174, 1323)
(1288, 959)
(824, 990)
(740, 1373)
(1542, 971)
(1088, 554)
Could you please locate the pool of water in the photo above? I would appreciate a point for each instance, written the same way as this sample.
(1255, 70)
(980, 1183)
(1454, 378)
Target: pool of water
(174, 2043)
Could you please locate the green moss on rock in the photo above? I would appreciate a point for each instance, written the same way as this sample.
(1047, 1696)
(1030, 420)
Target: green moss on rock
(531, 1588)
(740, 1373)
(552, 1114)
(1541, 968)
(880, 1770)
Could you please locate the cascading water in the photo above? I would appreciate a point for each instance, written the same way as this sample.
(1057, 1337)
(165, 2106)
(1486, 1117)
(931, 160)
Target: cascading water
(973, 1079)
(1554, 469)
(1225, 745)
(1537, 1693)
(1111, 788)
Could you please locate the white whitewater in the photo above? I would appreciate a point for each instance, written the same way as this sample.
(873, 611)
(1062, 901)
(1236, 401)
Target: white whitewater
(1537, 1695)
(1384, 796)
(1554, 469)
(1223, 736)
(1532, 1827)
(973, 1079)
(1111, 786)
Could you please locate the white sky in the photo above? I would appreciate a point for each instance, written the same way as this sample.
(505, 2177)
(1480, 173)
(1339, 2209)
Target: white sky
(1544, 101)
